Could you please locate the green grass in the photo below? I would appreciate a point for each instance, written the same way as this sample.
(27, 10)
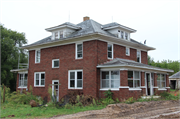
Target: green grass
(25, 111)
(172, 90)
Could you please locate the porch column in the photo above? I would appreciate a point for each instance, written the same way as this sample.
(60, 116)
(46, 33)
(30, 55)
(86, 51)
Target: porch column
(155, 84)
(143, 86)
(124, 88)
(167, 83)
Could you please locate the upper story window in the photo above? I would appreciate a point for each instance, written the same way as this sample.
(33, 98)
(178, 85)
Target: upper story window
(126, 36)
(37, 56)
(138, 56)
(122, 34)
(110, 51)
(134, 79)
(161, 80)
(56, 35)
(39, 79)
(127, 51)
(23, 80)
(110, 79)
(61, 34)
(79, 51)
(55, 63)
(75, 80)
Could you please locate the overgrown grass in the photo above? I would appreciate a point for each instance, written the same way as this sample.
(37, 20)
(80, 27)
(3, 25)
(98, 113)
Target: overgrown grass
(25, 111)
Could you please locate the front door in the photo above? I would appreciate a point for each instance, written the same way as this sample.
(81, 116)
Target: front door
(55, 89)
(148, 83)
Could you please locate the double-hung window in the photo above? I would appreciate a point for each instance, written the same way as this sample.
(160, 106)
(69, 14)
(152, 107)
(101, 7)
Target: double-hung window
(138, 56)
(23, 80)
(61, 34)
(55, 63)
(39, 79)
(110, 51)
(122, 34)
(127, 51)
(134, 79)
(75, 80)
(161, 80)
(37, 56)
(126, 35)
(110, 79)
(56, 35)
(79, 51)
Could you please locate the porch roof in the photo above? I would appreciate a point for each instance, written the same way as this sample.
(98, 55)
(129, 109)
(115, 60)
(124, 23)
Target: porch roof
(125, 63)
(19, 70)
(175, 76)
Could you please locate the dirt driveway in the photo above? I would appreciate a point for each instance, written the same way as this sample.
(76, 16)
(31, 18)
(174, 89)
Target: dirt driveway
(145, 110)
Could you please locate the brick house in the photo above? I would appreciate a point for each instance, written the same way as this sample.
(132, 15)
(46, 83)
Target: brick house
(91, 58)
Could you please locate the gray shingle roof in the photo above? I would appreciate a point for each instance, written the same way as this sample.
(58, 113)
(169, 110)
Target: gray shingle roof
(176, 75)
(126, 62)
(110, 25)
(86, 27)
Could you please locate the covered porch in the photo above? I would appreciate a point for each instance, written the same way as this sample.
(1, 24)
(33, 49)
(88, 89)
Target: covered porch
(127, 78)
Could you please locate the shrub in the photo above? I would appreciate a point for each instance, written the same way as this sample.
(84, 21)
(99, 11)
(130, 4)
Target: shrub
(68, 106)
(94, 102)
(22, 98)
(168, 96)
(107, 101)
(7, 92)
(130, 100)
(108, 94)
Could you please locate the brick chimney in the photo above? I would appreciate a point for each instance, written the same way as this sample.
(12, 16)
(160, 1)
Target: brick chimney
(85, 18)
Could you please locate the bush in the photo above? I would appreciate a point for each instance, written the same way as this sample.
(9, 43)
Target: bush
(108, 94)
(130, 100)
(22, 98)
(107, 101)
(168, 96)
(7, 92)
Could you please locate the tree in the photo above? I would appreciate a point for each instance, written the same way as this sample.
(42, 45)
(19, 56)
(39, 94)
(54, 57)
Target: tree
(10, 51)
(167, 64)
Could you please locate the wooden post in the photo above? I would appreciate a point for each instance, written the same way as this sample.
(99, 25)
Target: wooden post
(4, 94)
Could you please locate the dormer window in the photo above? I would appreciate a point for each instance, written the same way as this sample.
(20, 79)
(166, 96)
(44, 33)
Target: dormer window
(122, 34)
(56, 35)
(126, 36)
(61, 34)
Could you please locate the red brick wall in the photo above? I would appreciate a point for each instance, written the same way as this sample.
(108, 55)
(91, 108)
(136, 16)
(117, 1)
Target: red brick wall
(94, 52)
(144, 57)
(120, 52)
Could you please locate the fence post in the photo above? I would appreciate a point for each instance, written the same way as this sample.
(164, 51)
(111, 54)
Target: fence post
(4, 94)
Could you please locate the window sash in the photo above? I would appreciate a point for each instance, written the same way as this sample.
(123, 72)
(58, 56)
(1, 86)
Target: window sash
(38, 56)
(55, 63)
(108, 80)
(75, 80)
(134, 80)
(79, 51)
(161, 80)
(39, 80)
(110, 51)
(127, 51)
(23, 80)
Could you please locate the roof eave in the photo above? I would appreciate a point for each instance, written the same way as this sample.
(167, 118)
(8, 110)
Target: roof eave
(63, 26)
(156, 69)
(120, 26)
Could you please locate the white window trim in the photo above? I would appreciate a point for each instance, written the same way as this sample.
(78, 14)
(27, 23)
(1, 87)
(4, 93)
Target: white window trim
(139, 56)
(23, 80)
(75, 79)
(112, 50)
(76, 51)
(39, 79)
(53, 88)
(36, 55)
(128, 51)
(109, 81)
(136, 88)
(163, 88)
(53, 63)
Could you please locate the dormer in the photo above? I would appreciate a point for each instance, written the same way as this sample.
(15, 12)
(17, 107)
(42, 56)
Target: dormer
(118, 30)
(63, 30)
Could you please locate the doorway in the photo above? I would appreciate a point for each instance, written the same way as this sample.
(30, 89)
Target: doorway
(55, 89)
(149, 83)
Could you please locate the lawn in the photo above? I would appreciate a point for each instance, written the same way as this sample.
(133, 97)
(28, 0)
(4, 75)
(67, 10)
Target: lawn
(25, 111)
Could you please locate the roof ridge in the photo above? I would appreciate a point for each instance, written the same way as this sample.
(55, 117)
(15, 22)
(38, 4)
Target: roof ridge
(93, 25)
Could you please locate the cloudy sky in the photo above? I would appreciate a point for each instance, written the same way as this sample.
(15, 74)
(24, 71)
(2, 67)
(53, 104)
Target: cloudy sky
(157, 22)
